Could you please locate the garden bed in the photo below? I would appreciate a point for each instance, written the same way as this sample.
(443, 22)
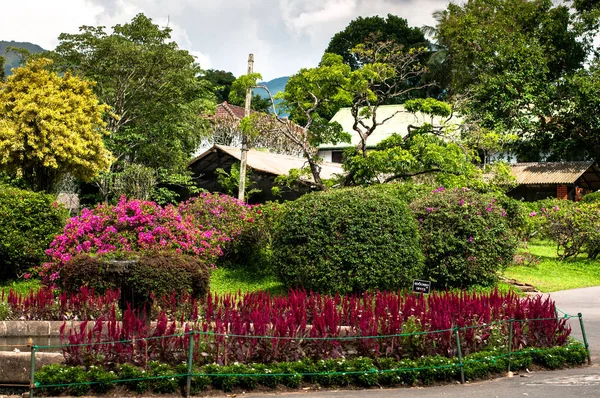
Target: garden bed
(359, 372)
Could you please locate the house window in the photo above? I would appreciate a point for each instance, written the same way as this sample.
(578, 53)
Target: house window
(337, 156)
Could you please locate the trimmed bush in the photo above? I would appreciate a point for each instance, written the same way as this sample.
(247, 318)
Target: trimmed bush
(163, 274)
(349, 240)
(465, 237)
(592, 197)
(155, 274)
(28, 223)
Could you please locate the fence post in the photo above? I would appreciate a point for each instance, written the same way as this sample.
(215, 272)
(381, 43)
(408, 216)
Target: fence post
(510, 340)
(585, 342)
(32, 374)
(460, 359)
(190, 360)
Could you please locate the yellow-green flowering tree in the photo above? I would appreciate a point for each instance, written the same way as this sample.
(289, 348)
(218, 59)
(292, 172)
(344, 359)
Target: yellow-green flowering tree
(50, 125)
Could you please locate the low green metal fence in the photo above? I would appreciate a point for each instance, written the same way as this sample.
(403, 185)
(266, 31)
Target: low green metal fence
(510, 353)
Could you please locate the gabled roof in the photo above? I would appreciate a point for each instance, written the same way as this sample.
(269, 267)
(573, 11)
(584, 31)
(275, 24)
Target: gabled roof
(271, 163)
(540, 173)
(226, 109)
(399, 122)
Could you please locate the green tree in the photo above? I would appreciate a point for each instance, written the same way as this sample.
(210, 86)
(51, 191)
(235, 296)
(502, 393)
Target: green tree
(392, 28)
(382, 78)
(507, 58)
(220, 81)
(50, 126)
(574, 132)
(304, 93)
(151, 85)
(427, 150)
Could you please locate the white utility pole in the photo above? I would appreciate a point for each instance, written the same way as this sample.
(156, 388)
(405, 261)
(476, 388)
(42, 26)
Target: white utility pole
(244, 157)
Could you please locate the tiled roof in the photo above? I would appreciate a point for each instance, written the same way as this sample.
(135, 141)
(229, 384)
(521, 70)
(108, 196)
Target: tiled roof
(226, 109)
(271, 162)
(540, 173)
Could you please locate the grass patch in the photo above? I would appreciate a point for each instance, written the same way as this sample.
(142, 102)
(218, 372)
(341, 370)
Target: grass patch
(551, 274)
(231, 280)
(21, 286)
(223, 280)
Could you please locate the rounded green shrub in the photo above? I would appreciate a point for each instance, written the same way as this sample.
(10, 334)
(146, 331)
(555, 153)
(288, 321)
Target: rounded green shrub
(163, 274)
(155, 274)
(28, 223)
(465, 237)
(592, 197)
(348, 240)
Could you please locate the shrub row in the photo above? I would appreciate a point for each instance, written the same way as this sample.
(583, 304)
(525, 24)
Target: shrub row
(352, 240)
(361, 372)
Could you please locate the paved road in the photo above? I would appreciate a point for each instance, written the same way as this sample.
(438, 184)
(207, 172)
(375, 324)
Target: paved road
(586, 301)
(583, 381)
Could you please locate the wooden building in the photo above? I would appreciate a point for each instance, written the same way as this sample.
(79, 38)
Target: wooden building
(563, 180)
(265, 168)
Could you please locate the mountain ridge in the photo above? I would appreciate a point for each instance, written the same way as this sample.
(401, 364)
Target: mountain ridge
(12, 60)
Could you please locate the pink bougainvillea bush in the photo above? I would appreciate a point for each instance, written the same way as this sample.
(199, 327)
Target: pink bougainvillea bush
(220, 212)
(130, 227)
(245, 225)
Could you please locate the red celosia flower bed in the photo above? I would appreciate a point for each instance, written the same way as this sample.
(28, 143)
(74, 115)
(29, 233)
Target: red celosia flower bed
(85, 304)
(232, 328)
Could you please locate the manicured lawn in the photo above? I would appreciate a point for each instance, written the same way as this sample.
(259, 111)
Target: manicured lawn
(552, 274)
(227, 280)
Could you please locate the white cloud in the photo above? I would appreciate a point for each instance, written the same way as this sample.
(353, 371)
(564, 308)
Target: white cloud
(284, 35)
(302, 16)
(41, 22)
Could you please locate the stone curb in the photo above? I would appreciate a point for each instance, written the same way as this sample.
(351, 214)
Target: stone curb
(15, 366)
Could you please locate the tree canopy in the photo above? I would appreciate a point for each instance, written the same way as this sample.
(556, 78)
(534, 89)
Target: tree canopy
(50, 126)
(393, 28)
(222, 81)
(151, 85)
(509, 61)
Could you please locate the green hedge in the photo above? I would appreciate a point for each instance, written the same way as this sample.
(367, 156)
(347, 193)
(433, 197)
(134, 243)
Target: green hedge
(347, 240)
(465, 237)
(28, 223)
(592, 197)
(158, 274)
(359, 372)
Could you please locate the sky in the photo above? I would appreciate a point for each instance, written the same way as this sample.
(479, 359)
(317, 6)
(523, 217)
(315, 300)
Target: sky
(284, 35)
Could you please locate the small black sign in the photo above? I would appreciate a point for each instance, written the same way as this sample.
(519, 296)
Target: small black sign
(420, 286)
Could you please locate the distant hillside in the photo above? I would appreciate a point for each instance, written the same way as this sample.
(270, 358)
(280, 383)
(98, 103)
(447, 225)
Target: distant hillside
(275, 86)
(12, 60)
